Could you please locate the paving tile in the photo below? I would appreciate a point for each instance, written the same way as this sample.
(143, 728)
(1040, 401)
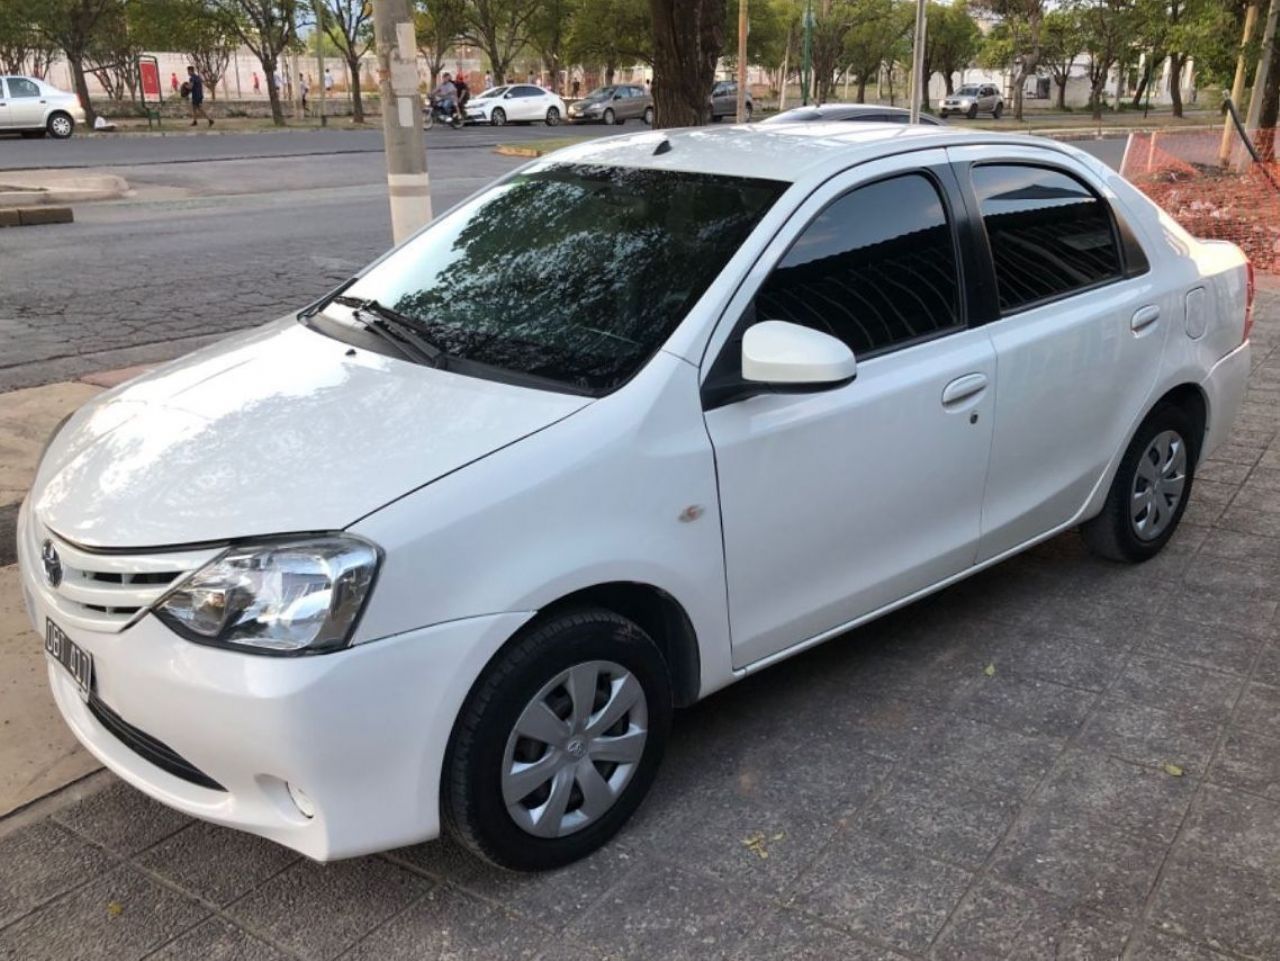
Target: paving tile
(319, 910)
(1027, 706)
(1236, 453)
(551, 898)
(1268, 669)
(1252, 498)
(1172, 686)
(1235, 828)
(216, 863)
(943, 817)
(1115, 626)
(1249, 762)
(1238, 517)
(882, 891)
(792, 936)
(1000, 921)
(42, 861)
(1152, 945)
(1003, 760)
(1201, 646)
(1072, 662)
(122, 819)
(1259, 710)
(1188, 603)
(121, 916)
(1235, 578)
(662, 911)
(1149, 736)
(1219, 904)
(1222, 472)
(450, 924)
(217, 940)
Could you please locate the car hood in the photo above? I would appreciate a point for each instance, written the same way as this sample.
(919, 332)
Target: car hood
(280, 430)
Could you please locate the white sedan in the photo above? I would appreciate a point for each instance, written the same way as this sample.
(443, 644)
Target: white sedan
(36, 108)
(516, 103)
(442, 551)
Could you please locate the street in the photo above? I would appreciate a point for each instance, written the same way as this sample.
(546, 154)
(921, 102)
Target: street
(225, 231)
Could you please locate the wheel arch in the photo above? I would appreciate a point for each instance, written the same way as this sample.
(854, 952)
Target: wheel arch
(1192, 400)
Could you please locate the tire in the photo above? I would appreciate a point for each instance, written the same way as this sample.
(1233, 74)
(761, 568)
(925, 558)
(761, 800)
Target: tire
(610, 118)
(1165, 447)
(998, 111)
(746, 115)
(716, 118)
(942, 115)
(553, 117)
(648, 116)
(498, 117)
(533, 674)
(60, 125)
(972, 112)
(428, 119)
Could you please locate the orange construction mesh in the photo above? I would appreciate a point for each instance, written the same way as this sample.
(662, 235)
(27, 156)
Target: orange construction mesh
(1239, 201)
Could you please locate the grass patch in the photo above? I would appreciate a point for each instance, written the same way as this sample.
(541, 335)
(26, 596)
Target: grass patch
(536, 148)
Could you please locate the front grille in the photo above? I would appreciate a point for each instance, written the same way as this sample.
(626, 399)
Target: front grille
(147, 747)
(106, 591)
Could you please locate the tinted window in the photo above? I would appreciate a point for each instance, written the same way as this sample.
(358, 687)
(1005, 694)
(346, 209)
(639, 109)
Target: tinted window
(19, 87)
(575, 274)
(1049, 234)
(885, 117)
(528, 92)
(876, 268)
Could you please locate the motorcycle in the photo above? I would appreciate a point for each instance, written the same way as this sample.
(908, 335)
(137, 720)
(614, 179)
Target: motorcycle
(435, 113)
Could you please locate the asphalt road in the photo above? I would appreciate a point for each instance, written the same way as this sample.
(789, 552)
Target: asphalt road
(223, 232)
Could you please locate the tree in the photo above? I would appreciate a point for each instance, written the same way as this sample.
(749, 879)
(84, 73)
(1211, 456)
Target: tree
(610, 33)
(1063, 43)
(1108, 26)
(1023, 20)
(349, 24)
(876, 38)
(437, 24)
(951, 42)
(549, 34)
(112, 52)
(501, 28)
(71, 26)
(23, 46)
(267, 27)
(688, 36)
(1203, 30)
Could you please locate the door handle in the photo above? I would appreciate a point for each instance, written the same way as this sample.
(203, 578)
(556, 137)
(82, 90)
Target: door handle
(1144, 317)
(962, 388)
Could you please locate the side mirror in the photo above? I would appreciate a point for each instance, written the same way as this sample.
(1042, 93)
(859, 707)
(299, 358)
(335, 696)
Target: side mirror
(508, 95)
(787, 355)
(617, 96)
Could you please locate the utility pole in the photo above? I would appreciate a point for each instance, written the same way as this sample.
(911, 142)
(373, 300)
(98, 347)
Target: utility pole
(407, 182)
(917, 63)
(742, 61)
(320, 35)
(806, 64)
(1237, 87)
(1260, 75)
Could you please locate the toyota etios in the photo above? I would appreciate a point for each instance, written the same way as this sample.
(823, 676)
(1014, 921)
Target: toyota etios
(444, 549)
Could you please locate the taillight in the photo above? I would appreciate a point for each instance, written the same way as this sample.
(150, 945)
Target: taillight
(1250, 288)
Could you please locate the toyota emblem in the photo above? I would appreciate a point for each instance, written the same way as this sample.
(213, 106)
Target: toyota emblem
(52, 563)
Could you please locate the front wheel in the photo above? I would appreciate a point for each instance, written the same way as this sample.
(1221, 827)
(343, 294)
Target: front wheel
(60, 126)
(610, 118)
(558, 741)
(498, 118)
(1150, 490)
(553, 117)
(972, 113)
(428, 119)
(942, 115)
(648, 116)
(746, 114)
(998, 111)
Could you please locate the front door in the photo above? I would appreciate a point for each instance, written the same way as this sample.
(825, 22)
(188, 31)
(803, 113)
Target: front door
(1078, 339)
(837, 503)
(26, 103)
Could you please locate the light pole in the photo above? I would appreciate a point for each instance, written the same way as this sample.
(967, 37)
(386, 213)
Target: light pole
(407, 182)
(806, 64)
(918, 83)
(742, 61)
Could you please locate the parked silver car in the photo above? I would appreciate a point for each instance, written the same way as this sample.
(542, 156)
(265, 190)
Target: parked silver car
(973, 99)
(724, 101)
(613, 105)
(35, 108)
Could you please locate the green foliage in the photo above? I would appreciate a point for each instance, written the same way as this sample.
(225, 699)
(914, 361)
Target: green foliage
(951, 40)
(24, 46)
(768, 22)
(437, 25)
(611, 33)
(881, 34)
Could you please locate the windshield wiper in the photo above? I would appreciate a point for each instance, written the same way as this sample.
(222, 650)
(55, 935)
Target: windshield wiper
(399, 329)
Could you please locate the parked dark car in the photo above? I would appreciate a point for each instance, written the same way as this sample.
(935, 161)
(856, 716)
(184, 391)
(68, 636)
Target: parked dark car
(613, 105)
(864, 112)
(724, 101)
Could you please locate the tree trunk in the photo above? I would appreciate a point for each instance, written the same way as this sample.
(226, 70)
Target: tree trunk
(1176, 62)
(82, 88)
(1265, 137)
(862, 88)
(1061, 83)
(357, 105)
(948, 80)
(269, 67)
(1097, 94)
(609, 71)
(688, 37)
(1144, 80)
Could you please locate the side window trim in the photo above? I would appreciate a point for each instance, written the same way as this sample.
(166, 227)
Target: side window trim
(971, 198)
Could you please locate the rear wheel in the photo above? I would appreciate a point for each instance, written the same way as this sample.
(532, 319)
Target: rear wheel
(942, 114)
(498, 118)
(972, 112)
(746, 114)
(1150, 490)
(553, 117)
(998, 111)
(558, 742)
(648, 116)
(60, 125)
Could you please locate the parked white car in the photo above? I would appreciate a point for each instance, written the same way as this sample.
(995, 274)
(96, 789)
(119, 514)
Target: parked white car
(444, 549)
(516, 103)
(34, 107)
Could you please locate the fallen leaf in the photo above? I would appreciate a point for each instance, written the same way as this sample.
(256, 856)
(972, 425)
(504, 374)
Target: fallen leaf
(1173, 770)
(755, 844)
(115, 909)
(989, 670)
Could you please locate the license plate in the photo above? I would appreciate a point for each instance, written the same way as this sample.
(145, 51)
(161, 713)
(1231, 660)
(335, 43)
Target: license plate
(77, 661)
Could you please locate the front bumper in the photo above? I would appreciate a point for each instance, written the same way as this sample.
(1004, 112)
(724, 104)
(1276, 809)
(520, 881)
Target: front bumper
(362, 732)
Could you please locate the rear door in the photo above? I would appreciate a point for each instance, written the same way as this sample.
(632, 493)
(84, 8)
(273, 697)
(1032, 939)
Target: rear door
(26, 103)
(4, 106)
(526, 103)
(1079, 325)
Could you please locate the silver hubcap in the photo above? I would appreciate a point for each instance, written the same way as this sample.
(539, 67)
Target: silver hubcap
(1158, 484)
(574, 749)
(61, 126)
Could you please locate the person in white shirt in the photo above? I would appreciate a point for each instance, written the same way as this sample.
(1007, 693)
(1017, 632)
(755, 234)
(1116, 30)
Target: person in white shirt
(328, 80)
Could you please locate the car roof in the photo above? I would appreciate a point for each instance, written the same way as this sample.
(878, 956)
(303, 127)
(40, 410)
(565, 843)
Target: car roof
(788, 152)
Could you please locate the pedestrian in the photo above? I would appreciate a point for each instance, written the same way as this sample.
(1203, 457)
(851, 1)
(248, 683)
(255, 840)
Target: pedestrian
(328, 81)
(488, 81)
(304, 88)
(256, 90)
(577, 85)
(196, 85)
(173, 81)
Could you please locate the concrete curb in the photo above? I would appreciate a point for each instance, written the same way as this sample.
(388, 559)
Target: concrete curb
(33, 216)
(509, 151)
(26, 188)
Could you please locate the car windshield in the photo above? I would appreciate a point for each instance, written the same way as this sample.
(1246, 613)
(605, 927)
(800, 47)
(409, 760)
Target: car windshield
(570, 274)
(495, 92)
(967, 92)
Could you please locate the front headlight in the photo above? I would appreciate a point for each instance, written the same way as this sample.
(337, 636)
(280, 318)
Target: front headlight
(300, 596)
